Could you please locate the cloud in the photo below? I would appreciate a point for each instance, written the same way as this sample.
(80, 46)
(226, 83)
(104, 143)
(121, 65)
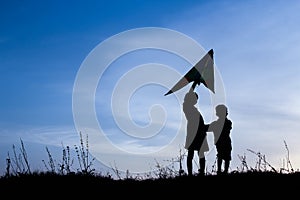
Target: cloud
(46, 135)
(3, 40)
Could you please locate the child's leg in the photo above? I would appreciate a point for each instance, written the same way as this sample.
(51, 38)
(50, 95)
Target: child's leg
(189, 162)
(201, 162)
(219, 165)
(226, 167)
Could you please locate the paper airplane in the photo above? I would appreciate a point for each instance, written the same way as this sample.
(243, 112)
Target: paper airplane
(202, 72)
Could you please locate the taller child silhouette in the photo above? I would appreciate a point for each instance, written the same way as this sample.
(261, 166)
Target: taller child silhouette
(196, 132)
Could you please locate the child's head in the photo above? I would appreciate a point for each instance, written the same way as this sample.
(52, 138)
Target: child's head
(221, 110)
(191, 98)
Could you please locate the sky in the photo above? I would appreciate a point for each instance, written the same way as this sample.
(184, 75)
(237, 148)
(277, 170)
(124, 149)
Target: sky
(101, 68)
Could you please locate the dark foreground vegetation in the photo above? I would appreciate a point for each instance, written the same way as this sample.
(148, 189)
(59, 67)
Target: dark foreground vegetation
(59, 181)
(246, 184)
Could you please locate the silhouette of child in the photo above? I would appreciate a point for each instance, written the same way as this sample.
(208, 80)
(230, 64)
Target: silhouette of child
(221, 129)
(196, 132)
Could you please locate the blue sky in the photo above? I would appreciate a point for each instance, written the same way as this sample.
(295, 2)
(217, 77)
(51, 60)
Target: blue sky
(256, 45)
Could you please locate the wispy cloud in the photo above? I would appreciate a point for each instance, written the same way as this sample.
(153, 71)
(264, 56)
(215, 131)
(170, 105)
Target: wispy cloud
(3, 40)
(46, 135)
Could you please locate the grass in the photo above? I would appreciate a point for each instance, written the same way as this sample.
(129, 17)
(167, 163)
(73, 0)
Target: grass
(60, 176)
(242, 185)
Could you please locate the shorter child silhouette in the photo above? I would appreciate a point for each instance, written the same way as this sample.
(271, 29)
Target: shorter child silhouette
(221, 129)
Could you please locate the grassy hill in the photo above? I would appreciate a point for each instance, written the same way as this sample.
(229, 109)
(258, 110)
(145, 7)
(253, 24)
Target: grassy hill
(247, 184)
(61, 182)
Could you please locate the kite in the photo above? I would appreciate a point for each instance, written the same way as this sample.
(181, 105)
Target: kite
(201, 72)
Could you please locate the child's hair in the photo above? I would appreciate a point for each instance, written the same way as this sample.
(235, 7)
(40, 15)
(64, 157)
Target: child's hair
(190, 95)
(221, 108)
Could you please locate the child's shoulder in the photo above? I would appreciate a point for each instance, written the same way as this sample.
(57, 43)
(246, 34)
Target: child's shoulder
(229, 120)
